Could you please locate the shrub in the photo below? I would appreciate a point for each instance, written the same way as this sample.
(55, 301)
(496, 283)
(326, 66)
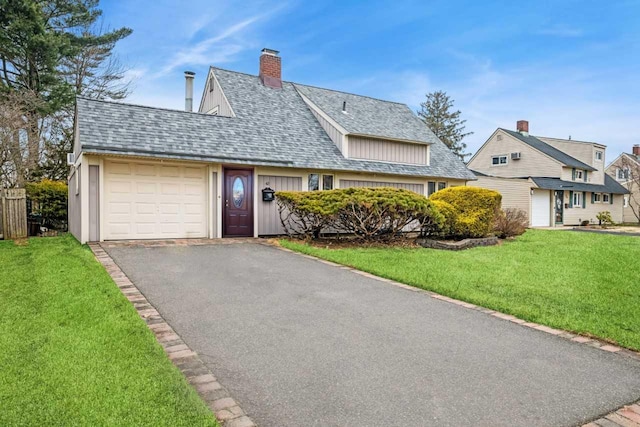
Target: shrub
(443, 222)
(369, 213)
(604, 218)
(476, 209)
(511, 222)
(48, 202)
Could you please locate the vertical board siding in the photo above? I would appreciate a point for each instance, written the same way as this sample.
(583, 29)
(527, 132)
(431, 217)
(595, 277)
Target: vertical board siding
(94, 204)
(387, 151)
(331, 130)
(13, 210)
(214, 97)
(416, 188)
(74, 213)
(516, 193)
(268, 216)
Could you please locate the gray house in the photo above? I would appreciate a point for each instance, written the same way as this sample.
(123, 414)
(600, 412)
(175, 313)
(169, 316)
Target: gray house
(151, 173)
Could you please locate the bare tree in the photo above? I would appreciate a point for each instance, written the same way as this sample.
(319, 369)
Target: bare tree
(631, 170)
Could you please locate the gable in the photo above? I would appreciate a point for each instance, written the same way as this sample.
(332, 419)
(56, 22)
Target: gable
(214, 101)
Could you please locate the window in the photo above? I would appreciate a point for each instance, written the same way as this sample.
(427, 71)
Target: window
(498, 160)
(605, 198)
(623, 173)
(431, 188)
(625, 202)
(599, 156)
(578, 175)
(597, 197)
(327, 182)
(442, 186)
(577, 199)
(315, 179)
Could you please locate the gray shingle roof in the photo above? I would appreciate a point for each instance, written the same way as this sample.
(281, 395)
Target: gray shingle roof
(550, 151)
(272, 127)
(369, 116)
(610, 185)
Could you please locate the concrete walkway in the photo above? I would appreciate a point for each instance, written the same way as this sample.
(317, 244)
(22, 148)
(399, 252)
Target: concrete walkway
(301, 343)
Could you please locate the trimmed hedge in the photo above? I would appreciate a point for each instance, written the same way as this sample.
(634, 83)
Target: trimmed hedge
(470, 211)
(48, 203)
(369, 213)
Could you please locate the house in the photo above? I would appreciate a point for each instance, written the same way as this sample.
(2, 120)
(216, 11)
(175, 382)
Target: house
(150, 173)
(626, 170)
(554, 181)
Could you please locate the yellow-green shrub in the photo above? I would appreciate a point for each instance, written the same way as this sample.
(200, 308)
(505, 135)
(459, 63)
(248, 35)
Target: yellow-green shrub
(369, 213)
(444, 220)
(475, 210)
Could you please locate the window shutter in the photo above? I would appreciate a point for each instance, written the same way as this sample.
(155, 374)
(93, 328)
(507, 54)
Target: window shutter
(611, 198)
(573, 174)
(584, 200)
(570, 199)
(593, 198)
(585, 176)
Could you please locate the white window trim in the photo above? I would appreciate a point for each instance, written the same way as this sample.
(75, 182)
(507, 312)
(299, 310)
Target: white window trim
(607, 196)
(321, 179)
(597, 197)
(577, 195)
(625, 203)
(601, 156)
(500, 156)
(579, 175)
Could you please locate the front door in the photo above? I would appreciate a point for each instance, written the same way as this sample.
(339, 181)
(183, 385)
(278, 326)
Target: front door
(559, 205)
(237, 220)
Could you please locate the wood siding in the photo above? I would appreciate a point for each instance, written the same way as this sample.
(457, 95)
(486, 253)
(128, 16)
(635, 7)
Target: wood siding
(516, 193)
(532, 163)
(74, 205)
(416, 188)
(13, 213)
(387, 151)
(213, 98)
(332, 131)
(268, 216)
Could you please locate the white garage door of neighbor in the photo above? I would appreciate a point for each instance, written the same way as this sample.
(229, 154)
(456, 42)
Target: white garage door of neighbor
(540, 208)
(154, 201)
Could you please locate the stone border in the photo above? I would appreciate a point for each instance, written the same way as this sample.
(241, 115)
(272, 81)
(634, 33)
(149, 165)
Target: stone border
(226, 409)
(459, 245)
(626, 416)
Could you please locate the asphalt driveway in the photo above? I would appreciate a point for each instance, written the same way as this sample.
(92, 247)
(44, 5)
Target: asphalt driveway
(301, 343)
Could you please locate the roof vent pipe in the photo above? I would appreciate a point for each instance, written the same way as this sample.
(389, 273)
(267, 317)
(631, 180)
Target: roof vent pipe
(188, 90)
(344, 107)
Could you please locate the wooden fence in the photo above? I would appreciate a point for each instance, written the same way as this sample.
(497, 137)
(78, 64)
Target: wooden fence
(13, 213)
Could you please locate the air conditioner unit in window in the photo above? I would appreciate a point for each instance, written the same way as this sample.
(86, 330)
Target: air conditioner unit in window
(71, 159)
(516, 156)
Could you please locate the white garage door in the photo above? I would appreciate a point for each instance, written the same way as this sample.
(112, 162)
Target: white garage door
(154, 201)
(540, 208)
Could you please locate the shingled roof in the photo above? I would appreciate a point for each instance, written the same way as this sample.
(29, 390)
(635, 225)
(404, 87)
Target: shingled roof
(271, 127)
(550, 151)
(610, 185)
(369, 116)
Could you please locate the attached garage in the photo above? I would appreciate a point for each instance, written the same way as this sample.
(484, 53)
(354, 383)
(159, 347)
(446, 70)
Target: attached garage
(154, 200)
(540, 208)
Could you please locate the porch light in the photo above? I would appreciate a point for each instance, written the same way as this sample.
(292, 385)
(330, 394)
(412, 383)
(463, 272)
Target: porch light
(268, 194)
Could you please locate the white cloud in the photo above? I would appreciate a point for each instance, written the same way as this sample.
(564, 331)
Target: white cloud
(559, 30)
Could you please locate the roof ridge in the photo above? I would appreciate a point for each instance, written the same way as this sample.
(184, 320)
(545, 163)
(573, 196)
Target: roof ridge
(351, 93)
(570, 140)
(130, 104)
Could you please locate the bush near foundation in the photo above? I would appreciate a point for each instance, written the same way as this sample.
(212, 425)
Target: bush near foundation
(368, 213)
(511, 222)
(475, 210)
(48, 203)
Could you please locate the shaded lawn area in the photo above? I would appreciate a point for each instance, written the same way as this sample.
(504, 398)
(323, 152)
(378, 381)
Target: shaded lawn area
(583, 282)
(74, 350)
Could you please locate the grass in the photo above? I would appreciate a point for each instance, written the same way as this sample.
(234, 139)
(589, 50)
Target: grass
(583, 282)
(73, 349)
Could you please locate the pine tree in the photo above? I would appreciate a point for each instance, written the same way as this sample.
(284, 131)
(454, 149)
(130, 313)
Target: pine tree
(446, 124)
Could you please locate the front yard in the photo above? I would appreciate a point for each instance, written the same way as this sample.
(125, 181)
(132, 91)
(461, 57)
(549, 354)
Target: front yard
(583, 282)
(75, 352)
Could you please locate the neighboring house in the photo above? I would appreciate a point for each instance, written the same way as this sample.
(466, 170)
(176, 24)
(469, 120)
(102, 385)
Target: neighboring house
(626, 170)
(150, 173)
(555, 181)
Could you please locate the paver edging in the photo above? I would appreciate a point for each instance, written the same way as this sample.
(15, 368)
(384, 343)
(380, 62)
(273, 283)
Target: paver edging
(624, 416)
(226, 409)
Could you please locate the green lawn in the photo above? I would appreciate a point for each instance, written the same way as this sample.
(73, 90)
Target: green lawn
(73, 350)
(582, 282)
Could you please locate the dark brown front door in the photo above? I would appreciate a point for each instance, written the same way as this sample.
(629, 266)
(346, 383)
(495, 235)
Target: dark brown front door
(238, 203)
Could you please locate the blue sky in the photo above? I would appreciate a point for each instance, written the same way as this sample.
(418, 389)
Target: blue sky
(569, 67)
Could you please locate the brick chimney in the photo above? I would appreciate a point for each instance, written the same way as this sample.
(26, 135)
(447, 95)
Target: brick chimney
(270, 68)
(636, 150)
(523, 127)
